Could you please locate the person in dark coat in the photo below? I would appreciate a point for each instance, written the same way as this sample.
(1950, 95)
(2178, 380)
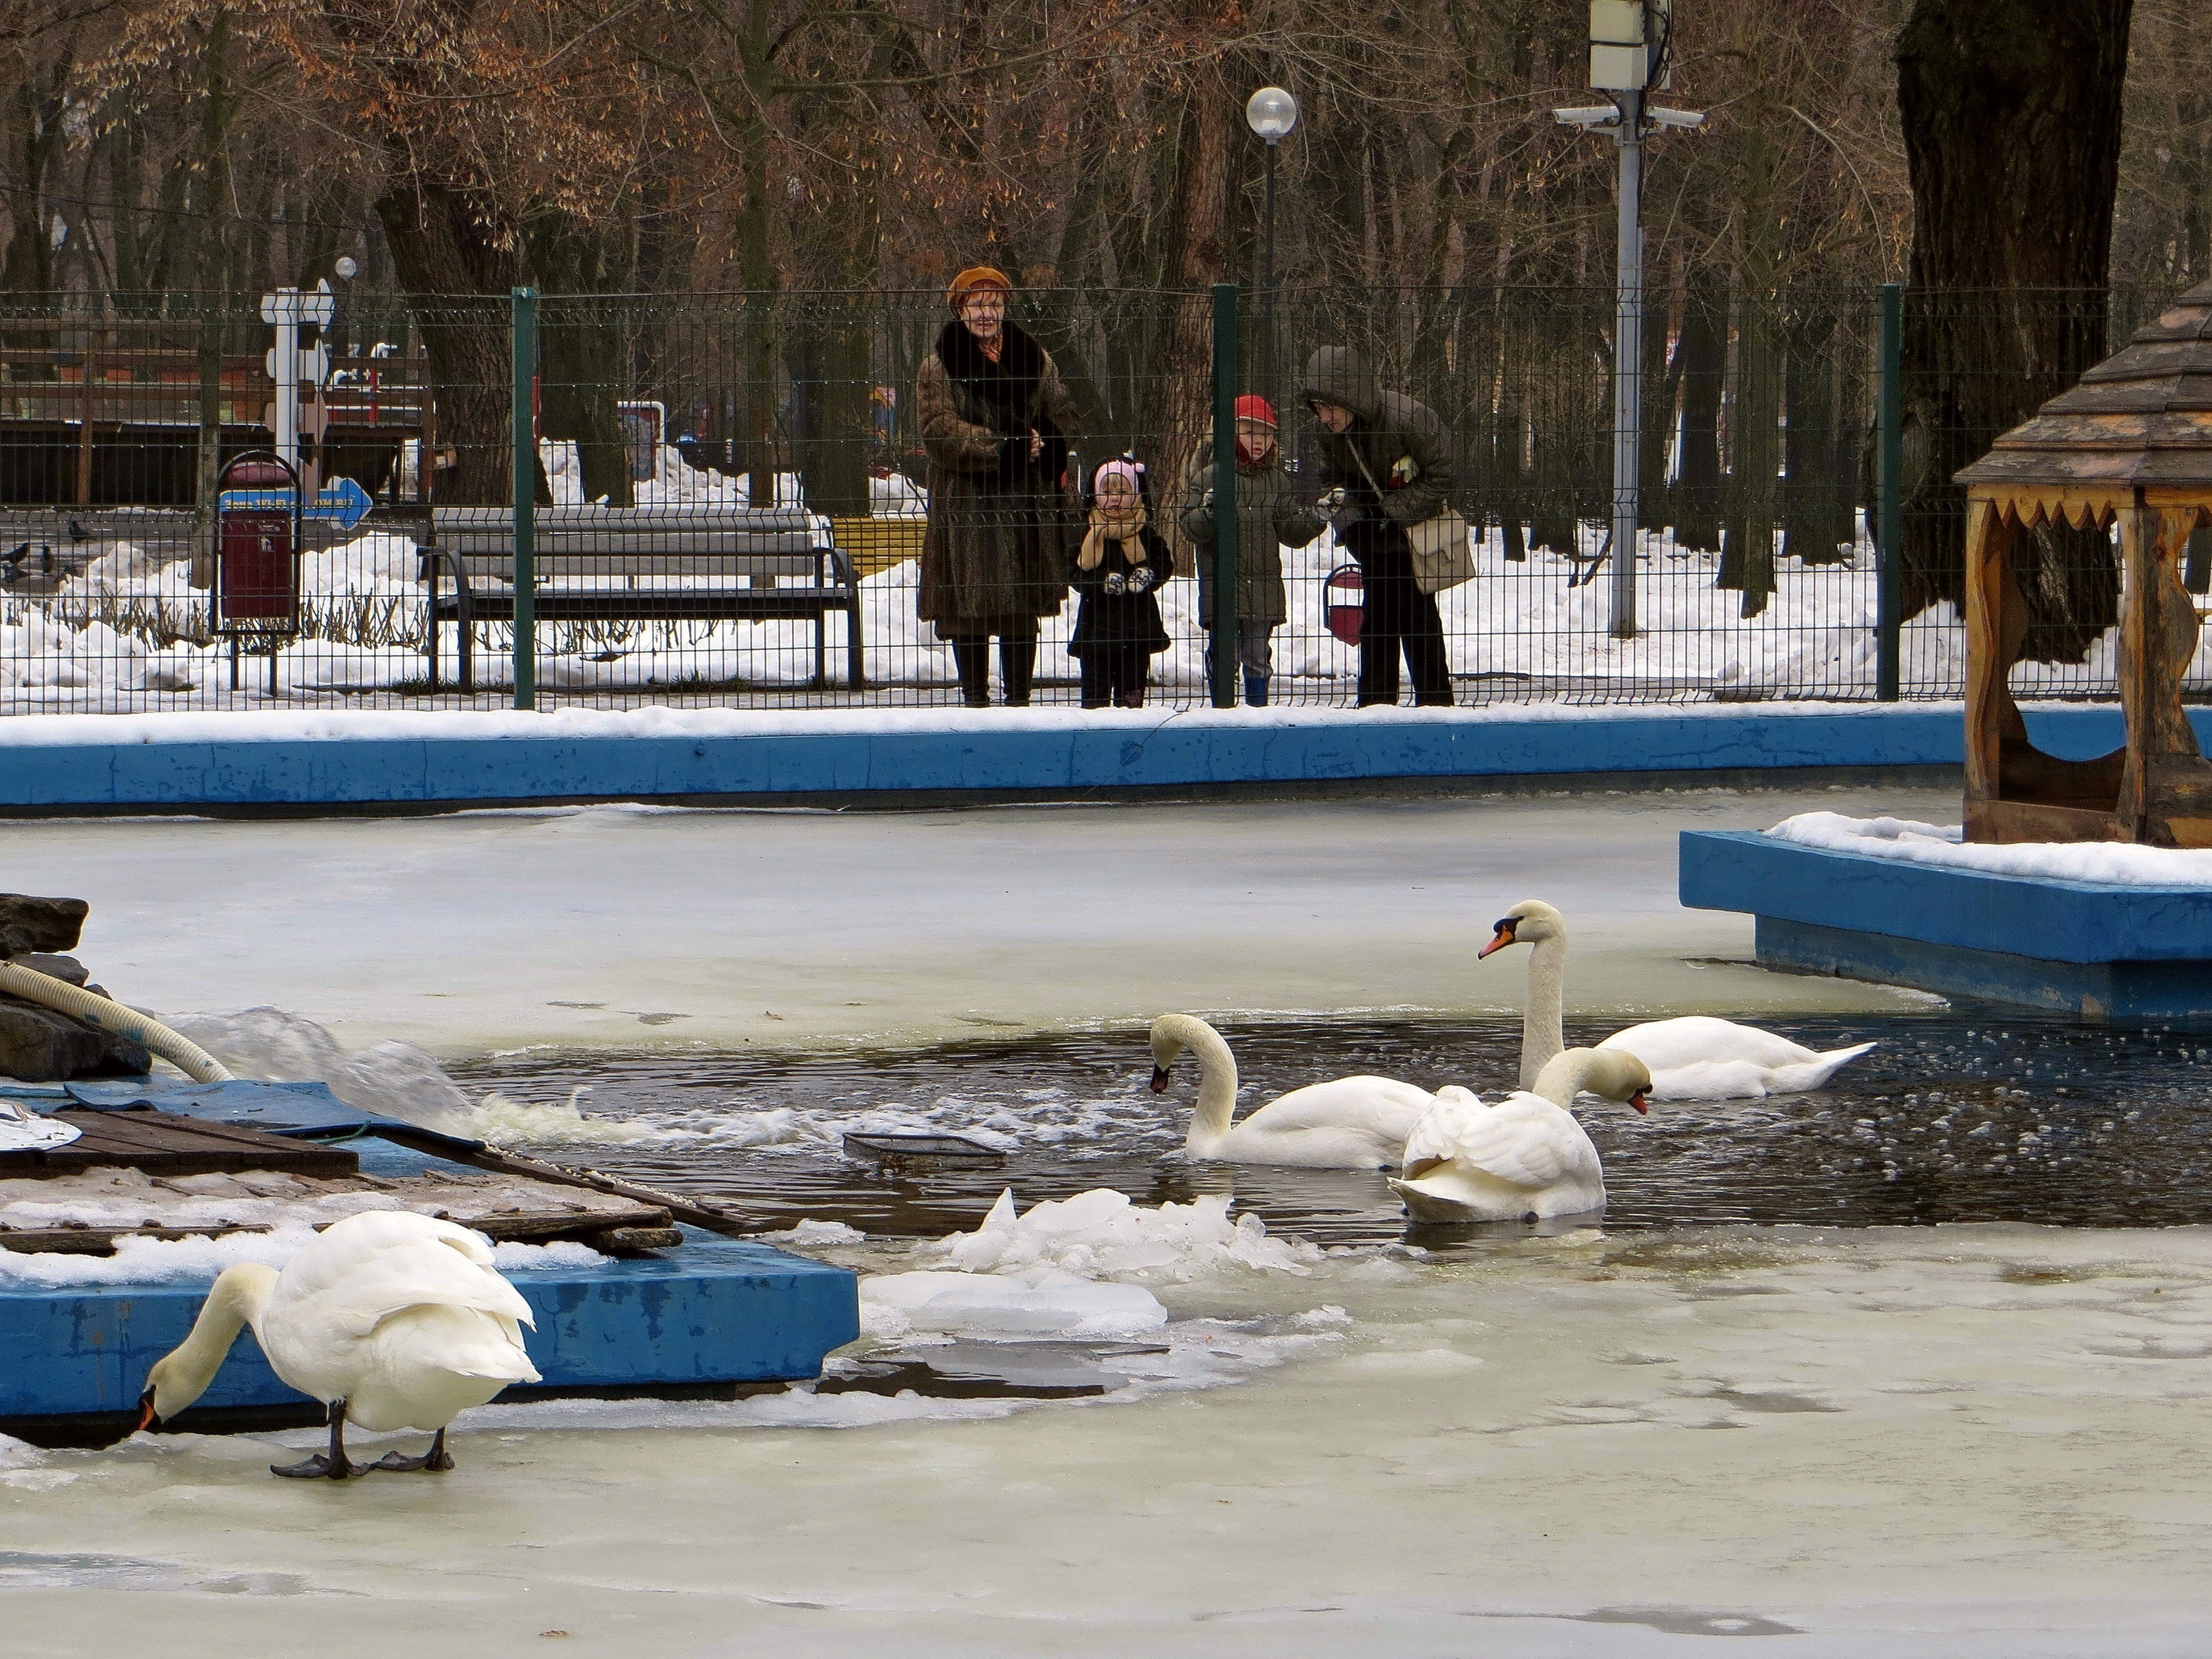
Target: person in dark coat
(1382, 462)
(995, 420)
(1120, 564)
(1269, 516)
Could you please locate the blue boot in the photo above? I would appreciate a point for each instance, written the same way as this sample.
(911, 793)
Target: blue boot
(1255, 690)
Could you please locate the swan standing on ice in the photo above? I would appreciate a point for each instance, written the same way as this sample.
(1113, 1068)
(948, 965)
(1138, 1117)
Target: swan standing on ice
(1525, 1159)
(1349, 1123)
(1695, 1057)
(394, 1319)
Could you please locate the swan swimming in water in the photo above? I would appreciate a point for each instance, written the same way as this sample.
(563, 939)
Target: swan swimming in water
(393, 1320)
(1524, 1158)
(1695, 1057)
(1347, 1123)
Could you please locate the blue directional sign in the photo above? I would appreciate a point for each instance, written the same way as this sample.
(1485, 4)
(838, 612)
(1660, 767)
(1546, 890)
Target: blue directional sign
(342, 501)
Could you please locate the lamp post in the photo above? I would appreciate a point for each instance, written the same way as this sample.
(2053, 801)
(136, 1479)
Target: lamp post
(1630, 53)
(1271, 113)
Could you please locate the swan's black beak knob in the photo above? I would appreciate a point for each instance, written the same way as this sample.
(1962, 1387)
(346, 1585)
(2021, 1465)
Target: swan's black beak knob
(1500, 939)
(1159, 1080)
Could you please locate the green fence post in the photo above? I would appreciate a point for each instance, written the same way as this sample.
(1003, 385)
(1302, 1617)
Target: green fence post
(1889, 529)
(525, 447)
(1224, 495)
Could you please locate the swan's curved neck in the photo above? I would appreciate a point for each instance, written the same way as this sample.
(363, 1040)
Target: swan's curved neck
(1542, 1032)
(1563, 1076)
(239, 1295)
(1217, 1088)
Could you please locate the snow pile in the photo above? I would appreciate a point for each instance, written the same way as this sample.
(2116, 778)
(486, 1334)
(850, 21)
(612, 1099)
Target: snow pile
(2112, 864)
(1100, 1234)
(393, 1079)
(1059, 1305)
(1037, 1274)
(196, 1261)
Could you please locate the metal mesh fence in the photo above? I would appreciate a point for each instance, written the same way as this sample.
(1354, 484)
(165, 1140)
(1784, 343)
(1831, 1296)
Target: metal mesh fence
(928, 501)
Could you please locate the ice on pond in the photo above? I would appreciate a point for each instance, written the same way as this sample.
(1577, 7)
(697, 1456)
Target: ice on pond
(1053, 1305)
(196, 1259)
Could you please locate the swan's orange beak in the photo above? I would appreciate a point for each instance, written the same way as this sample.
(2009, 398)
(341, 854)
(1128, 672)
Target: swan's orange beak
(1498, 940)
(1637, 1101)
(1159, 1080)
(147, 1417)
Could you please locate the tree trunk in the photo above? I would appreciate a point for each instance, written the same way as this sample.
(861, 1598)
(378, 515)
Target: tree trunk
(2011, 115)
(456, 277)
(583, 349)
(1705, 370)
(1747, 546)
(1179, 402)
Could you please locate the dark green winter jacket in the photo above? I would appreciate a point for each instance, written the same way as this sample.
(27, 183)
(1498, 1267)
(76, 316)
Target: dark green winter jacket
(1269, 515)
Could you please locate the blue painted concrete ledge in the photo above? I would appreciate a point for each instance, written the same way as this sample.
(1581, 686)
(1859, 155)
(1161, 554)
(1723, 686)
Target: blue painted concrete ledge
(2102, 952)
(339, 760)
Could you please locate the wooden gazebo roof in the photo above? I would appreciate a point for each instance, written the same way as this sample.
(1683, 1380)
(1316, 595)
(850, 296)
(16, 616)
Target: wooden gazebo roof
(2141, 419)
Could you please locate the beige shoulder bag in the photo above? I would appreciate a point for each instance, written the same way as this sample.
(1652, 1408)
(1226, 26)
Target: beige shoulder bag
(1442, 557)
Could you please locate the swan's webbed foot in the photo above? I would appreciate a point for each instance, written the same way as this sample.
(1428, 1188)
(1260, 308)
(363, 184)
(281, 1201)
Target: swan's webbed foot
(318, 1467)
(331, 1465)
(436, 1461)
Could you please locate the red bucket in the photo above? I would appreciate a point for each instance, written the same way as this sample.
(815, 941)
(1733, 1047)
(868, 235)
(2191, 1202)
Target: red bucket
(1346, 595)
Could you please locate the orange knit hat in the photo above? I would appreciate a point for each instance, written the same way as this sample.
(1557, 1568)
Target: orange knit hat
(974, 277)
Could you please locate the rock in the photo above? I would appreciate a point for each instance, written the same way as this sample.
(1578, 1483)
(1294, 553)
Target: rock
(28, 923)
(38, 1045)
(68, 970)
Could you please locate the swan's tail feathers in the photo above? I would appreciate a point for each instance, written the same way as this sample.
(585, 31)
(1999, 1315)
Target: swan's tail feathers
(1424, 1204)
(1815, 1072)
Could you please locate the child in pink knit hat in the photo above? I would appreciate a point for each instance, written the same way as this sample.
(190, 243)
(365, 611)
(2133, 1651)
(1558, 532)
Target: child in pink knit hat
(1119, 566)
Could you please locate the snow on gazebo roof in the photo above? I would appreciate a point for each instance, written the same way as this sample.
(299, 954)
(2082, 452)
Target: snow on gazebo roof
(2141, 418)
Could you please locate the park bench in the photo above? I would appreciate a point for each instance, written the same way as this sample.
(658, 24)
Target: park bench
(618, 564)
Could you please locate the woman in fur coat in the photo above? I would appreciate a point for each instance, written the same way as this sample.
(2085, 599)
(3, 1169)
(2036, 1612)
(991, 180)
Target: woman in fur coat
(995, 420)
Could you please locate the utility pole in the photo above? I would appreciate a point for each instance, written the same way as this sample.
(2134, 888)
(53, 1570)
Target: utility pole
(1632, 53)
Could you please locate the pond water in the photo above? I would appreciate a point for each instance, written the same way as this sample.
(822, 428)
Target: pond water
(1960, 1115)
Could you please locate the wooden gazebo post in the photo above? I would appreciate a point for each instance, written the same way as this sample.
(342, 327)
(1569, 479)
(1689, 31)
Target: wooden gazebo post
(2131, 444)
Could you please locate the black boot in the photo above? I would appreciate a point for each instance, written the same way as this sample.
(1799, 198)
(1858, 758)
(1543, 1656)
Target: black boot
(1017, 665)
(971, 659)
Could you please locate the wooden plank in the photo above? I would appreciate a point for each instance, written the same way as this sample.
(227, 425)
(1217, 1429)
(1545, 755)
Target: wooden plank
(1988, 543)
(163, 1143)
(2016, 821)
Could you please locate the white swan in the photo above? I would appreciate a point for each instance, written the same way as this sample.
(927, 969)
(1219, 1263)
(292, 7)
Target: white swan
(1349, 1123)
(1695, 1057)
(1524, 1158)
(394, 1319)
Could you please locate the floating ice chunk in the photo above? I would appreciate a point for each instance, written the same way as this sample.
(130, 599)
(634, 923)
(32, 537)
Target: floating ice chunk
(1055, 1304)
(1100, 1234)
(811, 1231)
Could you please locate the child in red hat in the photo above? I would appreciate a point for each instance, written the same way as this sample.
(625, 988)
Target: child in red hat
(1267, 517)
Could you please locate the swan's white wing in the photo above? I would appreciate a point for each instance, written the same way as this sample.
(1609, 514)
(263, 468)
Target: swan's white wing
(362, 1270)
(1377, 1105)
(1523, 1140)
(1667, 1045)
(1432, 1138)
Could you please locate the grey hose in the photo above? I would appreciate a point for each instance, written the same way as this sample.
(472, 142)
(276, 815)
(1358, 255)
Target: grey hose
(103, 1014)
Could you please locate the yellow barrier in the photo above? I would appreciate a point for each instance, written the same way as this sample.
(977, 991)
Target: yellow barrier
(874, 544)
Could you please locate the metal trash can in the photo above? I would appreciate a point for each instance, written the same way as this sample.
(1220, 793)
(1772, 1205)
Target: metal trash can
(256, 554)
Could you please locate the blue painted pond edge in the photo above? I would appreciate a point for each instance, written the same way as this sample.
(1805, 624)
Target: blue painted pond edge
(370, 760)
(2100, 951)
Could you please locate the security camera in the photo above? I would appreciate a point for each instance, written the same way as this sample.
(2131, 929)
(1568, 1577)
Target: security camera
(1684, 119)
(1586, 116)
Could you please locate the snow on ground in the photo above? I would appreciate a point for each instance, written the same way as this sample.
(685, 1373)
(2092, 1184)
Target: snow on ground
(129, 632)
(2103, 863)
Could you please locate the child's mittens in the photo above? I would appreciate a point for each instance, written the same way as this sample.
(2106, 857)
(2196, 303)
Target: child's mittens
(1140, 580)
(1116, 583)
